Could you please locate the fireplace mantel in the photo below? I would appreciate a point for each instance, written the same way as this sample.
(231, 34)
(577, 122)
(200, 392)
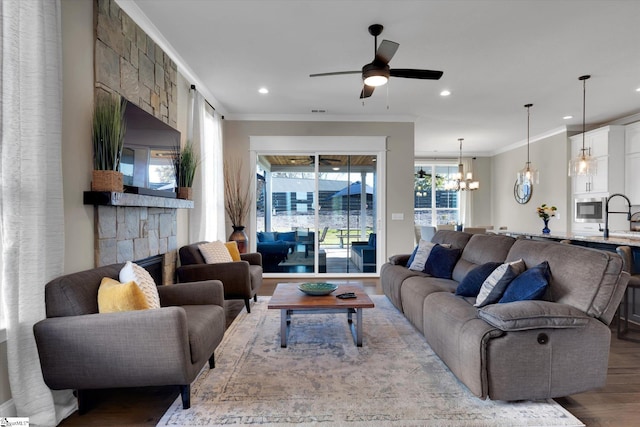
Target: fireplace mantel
(105, 198)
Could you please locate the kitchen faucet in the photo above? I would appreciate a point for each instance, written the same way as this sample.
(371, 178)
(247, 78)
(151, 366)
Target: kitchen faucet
(606, 212)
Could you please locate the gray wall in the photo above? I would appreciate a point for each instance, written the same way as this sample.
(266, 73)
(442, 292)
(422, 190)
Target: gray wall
(550, 157)
(399, 175)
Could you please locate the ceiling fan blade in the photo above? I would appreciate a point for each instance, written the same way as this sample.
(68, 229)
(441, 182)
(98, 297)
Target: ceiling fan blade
(386, 50)
(336, 73)
(367, 91)
(410, 73)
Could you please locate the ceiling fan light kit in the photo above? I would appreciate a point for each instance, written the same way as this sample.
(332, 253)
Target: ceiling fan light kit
(528, 175)
(377, 72)
(584, 164)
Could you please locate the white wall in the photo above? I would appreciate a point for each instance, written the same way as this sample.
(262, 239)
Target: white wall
(399, 175)
(550, 157)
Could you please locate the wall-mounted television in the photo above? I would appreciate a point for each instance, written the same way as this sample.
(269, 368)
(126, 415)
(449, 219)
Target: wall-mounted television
(149, 145)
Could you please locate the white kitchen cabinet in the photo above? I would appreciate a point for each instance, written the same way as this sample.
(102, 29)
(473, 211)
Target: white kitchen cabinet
(607, 146)
(632, 163)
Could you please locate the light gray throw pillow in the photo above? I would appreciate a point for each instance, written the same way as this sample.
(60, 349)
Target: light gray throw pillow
(495, 285)
(424, 249)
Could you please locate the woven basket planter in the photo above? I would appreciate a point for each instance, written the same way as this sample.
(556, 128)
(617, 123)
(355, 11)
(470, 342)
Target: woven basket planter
(108, 180)
(185, 193)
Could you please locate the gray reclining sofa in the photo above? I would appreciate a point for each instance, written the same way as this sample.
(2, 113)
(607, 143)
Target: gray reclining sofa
(521, 350)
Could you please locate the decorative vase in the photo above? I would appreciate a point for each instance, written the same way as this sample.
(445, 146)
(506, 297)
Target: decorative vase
(107, 180)
(546, 230)
(240, 237)
(185, 193)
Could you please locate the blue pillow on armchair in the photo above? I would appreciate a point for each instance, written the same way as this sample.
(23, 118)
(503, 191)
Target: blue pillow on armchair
(266, 236)
(287, 236)
(441, 261)
(372, 240)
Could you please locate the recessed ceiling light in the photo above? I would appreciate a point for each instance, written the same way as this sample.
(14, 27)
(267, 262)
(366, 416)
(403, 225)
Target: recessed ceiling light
(638, 90)
(335, 168)
(567, 117)
(263, 90)
(445, 93)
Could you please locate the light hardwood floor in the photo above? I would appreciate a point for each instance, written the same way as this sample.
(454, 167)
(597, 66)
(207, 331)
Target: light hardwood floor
(617, 404)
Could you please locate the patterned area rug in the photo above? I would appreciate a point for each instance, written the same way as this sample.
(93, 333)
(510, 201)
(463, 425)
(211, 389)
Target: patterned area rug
(395, 379)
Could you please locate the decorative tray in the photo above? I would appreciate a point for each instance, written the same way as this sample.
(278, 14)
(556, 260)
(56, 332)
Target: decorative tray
(318, 288)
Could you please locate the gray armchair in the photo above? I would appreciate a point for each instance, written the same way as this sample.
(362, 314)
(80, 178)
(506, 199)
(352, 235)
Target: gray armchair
(240, 279)
(82, 349)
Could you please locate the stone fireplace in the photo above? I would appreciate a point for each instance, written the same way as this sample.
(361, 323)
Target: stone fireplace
(135, 227)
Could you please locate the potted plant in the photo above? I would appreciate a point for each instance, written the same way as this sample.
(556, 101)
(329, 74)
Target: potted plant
(237, 201)
(108, 127)
(186, 162)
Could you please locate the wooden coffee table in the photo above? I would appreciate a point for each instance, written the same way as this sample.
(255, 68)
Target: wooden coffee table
(290, 300)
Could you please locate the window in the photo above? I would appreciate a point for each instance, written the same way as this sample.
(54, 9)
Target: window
(433, 204)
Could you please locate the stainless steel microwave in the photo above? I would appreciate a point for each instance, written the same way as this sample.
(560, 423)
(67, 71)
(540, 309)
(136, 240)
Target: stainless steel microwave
(590, 210)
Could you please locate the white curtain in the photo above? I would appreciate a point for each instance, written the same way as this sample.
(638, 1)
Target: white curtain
(206, 219)
(217, 186)
(31, 204)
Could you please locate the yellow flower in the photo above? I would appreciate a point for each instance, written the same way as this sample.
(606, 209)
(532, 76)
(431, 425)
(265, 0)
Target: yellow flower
(546, 212)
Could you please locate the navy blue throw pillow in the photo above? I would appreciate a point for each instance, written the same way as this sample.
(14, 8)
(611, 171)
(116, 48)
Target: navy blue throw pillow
(529, 285)
(412, 257)
(472, 282)
(441, 261)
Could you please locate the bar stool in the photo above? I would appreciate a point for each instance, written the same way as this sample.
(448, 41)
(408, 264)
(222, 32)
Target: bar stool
(634, 283)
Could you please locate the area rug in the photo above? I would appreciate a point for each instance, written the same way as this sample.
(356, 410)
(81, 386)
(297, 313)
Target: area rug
(395, 379)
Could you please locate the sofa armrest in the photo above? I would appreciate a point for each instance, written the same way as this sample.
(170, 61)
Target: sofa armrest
(193, 293)
(254, 258)
(359, 243)
(400, 259)
(100, 350)
(525, 315)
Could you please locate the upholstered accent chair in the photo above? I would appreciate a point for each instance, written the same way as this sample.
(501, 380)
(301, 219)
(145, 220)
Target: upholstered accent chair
(82, 349)
(240, 279)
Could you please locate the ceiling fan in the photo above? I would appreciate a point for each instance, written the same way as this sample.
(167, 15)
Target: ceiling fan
(377, 72)
(312, 159)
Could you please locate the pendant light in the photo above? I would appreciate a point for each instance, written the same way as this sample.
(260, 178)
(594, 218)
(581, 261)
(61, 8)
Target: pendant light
(584, 164)
(528, 175)
(460, 180)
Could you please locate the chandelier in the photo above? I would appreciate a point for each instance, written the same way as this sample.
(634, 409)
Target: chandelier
(459, 181)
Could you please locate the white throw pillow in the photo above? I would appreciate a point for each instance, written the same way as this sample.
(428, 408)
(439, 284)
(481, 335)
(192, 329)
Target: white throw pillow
(494, 286)
(134, 273)
(215, 252)
(424, 249)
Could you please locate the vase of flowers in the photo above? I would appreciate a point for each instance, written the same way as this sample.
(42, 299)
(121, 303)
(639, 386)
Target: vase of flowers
(237, 201)
(546, 212)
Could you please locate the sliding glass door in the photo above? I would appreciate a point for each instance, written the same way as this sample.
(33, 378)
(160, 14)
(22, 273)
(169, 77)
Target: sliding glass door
(317, 213)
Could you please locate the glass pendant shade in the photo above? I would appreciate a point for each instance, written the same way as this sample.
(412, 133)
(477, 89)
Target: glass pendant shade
(528, 175)
(584, 164)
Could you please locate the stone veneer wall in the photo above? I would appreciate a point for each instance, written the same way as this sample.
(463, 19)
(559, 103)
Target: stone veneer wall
(128, 62)
(127, 233)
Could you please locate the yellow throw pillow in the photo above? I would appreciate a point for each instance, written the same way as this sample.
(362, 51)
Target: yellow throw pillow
(114, 296)
(232, 247)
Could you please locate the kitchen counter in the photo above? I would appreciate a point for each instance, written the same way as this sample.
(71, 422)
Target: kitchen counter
(616, 238)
